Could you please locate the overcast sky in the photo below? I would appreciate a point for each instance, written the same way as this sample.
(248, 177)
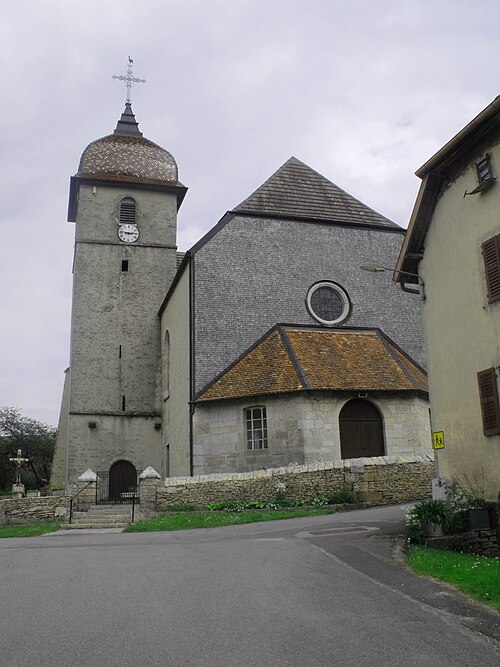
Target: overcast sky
(364, 91)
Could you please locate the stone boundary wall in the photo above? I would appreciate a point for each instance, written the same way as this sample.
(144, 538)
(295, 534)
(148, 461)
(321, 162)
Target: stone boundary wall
(481, 542)
(45, 508)
(378, 480)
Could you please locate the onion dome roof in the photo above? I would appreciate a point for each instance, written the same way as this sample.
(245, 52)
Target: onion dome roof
(127, 156)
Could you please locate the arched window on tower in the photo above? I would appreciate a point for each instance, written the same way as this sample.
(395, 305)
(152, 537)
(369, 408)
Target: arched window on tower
(361, 430)
(128, 211)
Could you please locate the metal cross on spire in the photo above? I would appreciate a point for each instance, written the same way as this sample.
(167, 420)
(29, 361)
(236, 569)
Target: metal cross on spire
(129, 79)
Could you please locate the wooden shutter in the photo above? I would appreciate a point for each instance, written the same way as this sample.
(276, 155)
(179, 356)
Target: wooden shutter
(488, 394)
(491, 256)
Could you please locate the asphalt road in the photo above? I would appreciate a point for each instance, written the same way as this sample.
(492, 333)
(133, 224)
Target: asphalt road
(308, 592)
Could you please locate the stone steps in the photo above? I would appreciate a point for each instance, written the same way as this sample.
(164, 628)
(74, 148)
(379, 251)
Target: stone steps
(101, 516)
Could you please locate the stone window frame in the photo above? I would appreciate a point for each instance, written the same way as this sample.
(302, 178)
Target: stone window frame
(342, 293)
(254, 415)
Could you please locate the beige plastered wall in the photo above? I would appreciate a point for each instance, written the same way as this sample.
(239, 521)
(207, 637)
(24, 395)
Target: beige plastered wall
(461, 328)
(175, 380)
(302, 428)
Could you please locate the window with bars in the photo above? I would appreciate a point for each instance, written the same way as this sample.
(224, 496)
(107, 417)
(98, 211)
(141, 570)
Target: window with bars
(128, 210)
(256, 428)
(488, 395)
(491, 257)
(328, 303)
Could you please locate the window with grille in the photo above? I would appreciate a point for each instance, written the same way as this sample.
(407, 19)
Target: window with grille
(128, 211)
(328, 303)
(488, 395)
(491, 257)
(256, 428)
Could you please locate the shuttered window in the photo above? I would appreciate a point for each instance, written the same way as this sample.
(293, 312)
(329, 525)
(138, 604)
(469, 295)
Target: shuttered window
(491, 256)
(488, 394)
(127, 211)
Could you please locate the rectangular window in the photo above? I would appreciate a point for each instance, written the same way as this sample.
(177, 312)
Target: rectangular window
(124, 264)
(256, 428)
(488, 395)
(491, 257)
(483, 170)
(123, 403)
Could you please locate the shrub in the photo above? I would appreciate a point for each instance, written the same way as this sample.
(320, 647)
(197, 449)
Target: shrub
(342, 497)
(229, 505)
(427, 512)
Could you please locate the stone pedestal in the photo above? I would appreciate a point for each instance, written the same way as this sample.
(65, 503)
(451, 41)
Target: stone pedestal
(86, 485)
(149, 481)
(18, 490)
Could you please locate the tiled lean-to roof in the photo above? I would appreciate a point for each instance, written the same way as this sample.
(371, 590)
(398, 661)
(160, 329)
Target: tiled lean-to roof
(291, 359)
(297, 191)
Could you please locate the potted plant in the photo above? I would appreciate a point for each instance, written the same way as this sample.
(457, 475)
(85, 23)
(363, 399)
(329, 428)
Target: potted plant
(428, 518)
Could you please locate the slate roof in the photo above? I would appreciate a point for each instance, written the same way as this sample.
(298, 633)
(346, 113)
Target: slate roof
(297, 191)
(291, 359)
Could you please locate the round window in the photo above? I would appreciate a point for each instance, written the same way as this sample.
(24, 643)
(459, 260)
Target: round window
(328, 303)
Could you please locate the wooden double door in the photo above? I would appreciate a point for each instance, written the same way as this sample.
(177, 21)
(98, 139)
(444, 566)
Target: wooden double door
(361, 430)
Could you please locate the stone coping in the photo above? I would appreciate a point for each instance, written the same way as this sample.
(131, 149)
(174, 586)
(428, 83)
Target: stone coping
(348, 464)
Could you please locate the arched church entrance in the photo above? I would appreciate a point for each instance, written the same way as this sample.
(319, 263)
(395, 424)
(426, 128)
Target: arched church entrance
(122, 479)
(361, 430)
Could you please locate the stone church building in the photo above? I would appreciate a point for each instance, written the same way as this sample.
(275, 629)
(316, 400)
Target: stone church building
(262, 345)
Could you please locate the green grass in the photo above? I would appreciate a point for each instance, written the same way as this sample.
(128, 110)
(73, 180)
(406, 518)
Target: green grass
(28, 530)
(186, 521)
(476, 576)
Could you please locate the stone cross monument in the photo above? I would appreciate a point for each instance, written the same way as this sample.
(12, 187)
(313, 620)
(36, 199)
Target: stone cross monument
(18, 487)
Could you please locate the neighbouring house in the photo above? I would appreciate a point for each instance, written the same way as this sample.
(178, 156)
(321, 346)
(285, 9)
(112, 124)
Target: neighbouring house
(453, 244)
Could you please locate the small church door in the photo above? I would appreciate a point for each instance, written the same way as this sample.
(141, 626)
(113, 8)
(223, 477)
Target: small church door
(122, 479)
(361, 430)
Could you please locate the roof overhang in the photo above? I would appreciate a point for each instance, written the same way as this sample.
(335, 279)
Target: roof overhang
(439, 169)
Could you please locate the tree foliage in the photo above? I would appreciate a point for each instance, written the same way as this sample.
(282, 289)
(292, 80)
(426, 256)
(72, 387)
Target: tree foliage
(35, 439)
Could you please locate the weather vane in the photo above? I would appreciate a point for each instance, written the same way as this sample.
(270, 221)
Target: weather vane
(129, 79)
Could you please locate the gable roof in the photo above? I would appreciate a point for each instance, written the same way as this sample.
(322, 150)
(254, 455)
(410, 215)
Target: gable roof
(296, 358)
(435, 173)
(297, 191)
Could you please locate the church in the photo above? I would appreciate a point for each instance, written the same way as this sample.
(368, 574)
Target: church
(264, 345)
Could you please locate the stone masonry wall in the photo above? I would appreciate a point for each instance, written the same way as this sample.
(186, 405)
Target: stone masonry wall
(45, 508)
(380, 480)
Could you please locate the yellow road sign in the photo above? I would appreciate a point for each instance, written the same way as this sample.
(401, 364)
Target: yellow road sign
(438, 440)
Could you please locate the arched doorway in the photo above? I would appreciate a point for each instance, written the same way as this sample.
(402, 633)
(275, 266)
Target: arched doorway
(122, 479)
(361, 430)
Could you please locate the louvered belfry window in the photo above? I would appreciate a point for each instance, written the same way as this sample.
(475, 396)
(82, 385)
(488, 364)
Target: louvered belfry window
(491, 256)
(127, 211)
(488, 394)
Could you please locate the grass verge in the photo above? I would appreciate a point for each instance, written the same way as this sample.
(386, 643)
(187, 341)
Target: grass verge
(28, 530)
(476, 576)
(188, 520)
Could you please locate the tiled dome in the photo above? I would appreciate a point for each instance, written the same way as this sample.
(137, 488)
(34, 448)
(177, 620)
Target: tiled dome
(126, 154)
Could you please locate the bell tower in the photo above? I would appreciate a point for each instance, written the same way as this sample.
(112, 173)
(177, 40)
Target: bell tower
(124, 202)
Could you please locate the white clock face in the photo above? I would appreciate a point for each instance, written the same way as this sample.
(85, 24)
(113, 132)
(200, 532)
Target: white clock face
(128, 233)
